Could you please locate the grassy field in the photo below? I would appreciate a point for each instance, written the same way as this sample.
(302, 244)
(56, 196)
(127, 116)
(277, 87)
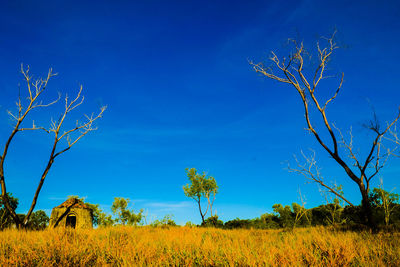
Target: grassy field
(183, 246)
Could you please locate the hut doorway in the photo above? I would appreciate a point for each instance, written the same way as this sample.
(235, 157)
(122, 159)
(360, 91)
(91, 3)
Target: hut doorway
(71, 221)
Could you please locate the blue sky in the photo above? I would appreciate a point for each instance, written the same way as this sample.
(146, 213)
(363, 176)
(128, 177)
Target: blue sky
(180, 93)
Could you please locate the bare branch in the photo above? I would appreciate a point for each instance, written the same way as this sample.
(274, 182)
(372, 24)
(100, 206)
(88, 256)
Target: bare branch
(265, 71)
(394, 138)
(376, 143)
(349, 146)
(336, 93)
(310, 171)
(41, 105)
(83, 130)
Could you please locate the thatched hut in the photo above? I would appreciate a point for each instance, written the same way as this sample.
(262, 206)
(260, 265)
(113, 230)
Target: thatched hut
(72, 213)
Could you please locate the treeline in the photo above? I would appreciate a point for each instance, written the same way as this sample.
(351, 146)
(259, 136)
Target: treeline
(325, 215)
(385, 207)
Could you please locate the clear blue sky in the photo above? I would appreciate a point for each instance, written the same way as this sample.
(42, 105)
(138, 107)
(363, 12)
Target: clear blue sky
(180, 93)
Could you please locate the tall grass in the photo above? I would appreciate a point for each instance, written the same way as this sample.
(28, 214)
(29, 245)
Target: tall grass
(182, 246)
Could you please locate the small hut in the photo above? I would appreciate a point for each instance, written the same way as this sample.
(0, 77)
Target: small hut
(72, 213)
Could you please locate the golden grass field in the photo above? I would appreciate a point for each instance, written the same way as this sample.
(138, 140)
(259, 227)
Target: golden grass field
(184, 246)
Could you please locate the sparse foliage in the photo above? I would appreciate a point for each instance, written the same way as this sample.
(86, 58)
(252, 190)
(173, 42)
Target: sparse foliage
(335, 206)
(124, 215)
(385, 201)
(201, 186)
(301, 213)
(164, 222)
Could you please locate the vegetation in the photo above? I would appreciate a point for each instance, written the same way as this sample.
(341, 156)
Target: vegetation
(164, 222)
(185, 246)
(287, 217)
(5, 216)
(39, 219)
(124, 215)
(386, 209)
(385, 204)
(201, 186)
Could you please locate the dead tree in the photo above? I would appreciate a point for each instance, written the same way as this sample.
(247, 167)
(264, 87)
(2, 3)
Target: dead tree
(63, 140)
(290, 71)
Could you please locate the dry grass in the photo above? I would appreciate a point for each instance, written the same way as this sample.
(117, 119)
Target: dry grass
(181, 246)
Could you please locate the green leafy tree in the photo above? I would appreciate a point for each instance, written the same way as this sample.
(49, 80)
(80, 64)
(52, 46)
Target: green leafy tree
(39, 220)
(124, 215)
(5, 216)
(104, 219)
(201, 186)
(385, 201)
(268, 221)
(100, 218)
(292, 216)
(213, 221)
(286, 216)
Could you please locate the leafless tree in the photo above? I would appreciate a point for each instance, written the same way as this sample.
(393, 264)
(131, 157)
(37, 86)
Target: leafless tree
(290, 71)
(63, 140)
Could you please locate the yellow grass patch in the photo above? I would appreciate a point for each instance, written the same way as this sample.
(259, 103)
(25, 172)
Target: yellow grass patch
(182, 246)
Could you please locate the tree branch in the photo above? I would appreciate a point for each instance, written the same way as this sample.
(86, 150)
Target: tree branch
(311, 172)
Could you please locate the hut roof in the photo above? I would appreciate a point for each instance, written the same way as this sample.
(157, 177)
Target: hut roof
(73, 202)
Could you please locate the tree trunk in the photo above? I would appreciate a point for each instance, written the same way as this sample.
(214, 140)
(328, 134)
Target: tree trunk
(366, 209)
(201, 213)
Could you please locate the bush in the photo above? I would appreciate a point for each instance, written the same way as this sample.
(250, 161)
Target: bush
(190, 224)
(238, 223)
(165, 222)
(213, 222)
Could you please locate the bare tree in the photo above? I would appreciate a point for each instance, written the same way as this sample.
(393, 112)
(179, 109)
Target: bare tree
(290, 71)
(63, 140)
